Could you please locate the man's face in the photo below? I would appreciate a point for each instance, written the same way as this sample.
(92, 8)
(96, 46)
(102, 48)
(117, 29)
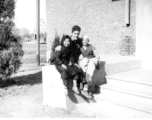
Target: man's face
(75, 35)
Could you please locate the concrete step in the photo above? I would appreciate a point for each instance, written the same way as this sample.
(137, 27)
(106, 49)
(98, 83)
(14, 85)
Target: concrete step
(141, 76)
(108, 64)
(126, 95)
(127, 100)
(111, 110)
(129, 87)
(115, 64)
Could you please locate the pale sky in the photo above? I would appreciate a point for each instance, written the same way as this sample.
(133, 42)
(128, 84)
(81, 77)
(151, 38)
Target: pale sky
(25, 13)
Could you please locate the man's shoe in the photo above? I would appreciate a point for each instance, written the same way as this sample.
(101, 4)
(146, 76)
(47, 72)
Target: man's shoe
(85, 87)
(81, 86)
(88, 95)
(77, 90)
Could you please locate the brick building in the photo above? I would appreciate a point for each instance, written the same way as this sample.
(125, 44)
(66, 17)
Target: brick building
(114, 26)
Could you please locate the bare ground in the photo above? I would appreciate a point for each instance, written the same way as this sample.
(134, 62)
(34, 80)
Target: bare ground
(21, 97)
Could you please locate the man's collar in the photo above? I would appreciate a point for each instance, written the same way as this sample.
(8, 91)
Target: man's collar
(74, 40)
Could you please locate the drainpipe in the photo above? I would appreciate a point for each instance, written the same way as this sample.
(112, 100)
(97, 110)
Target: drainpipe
(127, 13)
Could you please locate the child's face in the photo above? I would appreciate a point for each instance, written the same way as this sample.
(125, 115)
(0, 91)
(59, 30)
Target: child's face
(66, 42)
(85, 41)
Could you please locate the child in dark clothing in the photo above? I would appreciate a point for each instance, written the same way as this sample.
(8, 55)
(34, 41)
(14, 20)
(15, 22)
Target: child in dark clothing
(76, 44)
(64, 65)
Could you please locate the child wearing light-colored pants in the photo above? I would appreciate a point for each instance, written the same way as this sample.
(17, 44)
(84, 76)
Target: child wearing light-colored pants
(88, 66)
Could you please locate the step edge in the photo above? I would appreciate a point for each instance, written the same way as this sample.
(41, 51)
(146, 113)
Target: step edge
(138, 109)
(109, 63)
(125, 92)
(114, 102)
(142, 83)
(112, 116)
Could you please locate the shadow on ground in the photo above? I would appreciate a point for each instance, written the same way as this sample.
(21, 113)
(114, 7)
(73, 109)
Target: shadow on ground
(30, 79)
(74, 99)
(99, 78)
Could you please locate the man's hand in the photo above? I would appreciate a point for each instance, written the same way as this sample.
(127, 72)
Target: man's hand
(58, 48)
(64, 66)
(70, 64)
(81, 57)
(98, 57)
(77, 65)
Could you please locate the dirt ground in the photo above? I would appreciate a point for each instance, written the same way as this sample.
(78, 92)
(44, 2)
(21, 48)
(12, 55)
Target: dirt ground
(21, 97)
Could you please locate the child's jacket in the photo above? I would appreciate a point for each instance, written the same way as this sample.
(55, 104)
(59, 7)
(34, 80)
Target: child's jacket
(63, 56)
(88, 53)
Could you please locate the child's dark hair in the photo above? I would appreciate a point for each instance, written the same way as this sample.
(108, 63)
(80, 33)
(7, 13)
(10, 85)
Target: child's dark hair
(65, 37)
(76, 28)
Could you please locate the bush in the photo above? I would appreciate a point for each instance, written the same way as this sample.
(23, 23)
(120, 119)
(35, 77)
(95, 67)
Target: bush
(10, 44)
(10, 59)
(54, 43)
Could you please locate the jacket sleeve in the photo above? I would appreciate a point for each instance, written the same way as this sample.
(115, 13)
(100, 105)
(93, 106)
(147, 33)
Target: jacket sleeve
(58, 48)
(93, 50)
(58, 57)
(71, 58)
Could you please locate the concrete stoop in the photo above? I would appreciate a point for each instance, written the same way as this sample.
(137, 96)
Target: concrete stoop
(108, 109)
(126, 95)
(113, 101)
(115, 64)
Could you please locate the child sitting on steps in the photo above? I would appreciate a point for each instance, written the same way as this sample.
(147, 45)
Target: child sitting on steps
(88, 60)
(64, 66)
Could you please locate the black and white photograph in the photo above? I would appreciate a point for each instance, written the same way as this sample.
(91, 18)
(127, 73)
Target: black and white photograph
(76, 59)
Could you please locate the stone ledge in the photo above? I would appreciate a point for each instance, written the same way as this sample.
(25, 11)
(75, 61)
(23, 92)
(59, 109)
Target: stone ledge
(53, 90)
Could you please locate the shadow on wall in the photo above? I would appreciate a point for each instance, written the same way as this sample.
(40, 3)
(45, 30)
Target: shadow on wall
(30, 79)
(99, 78)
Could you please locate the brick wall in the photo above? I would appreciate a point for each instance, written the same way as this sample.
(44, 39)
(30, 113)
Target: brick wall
(102, 20)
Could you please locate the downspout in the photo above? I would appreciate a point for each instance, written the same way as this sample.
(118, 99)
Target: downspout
(127, 13)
